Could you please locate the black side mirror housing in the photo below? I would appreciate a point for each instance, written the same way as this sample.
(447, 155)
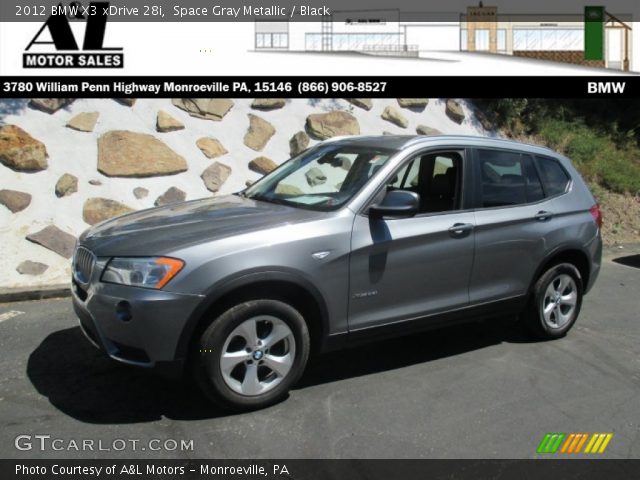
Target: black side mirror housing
(396, 203)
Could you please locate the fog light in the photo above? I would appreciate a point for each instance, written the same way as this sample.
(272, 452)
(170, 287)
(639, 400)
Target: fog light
(123, 311)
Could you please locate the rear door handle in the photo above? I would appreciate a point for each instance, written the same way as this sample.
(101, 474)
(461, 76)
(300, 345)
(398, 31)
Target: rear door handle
(543, 216)
(458, 230)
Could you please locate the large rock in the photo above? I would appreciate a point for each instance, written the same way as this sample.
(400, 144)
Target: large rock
(31, 268)
(50, 105)
(298, 143)
(259, 133)
(140, 192)
(417, 103)
(211, 147)
(315, 176)
(14, 200)
(172, 195)
(66, 185)
(424, 130)
(207, 108)
(166, 123)
(268, 103)
(84, 122)
(20, 151)
(54, 239)
(364, 103)
(332, 124)
(391, 114)
(127, 154)
(262, 165)
(215, 175)
(286, 189)
(454, 111)
(97, 209)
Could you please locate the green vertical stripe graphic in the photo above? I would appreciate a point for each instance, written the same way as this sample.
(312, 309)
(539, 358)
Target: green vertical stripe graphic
(550, 443)
(593, 33)
(556, 445)
(542, 448)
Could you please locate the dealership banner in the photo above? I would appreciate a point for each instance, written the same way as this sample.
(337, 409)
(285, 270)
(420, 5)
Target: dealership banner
(320, 37)
(318, 86)
(319, 469)
(294, 10)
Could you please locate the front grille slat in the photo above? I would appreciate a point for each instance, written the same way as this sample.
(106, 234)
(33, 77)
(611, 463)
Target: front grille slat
(83, 262)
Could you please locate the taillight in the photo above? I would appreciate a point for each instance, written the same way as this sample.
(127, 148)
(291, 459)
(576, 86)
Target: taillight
(597, 214)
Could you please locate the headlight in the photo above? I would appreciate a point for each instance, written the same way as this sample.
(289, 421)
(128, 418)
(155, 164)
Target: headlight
(149, 272)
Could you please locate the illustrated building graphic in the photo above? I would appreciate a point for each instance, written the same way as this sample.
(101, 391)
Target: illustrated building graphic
(594, 37)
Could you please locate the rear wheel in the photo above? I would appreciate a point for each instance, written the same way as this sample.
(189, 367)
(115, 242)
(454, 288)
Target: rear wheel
(556, 302)
(251, 355)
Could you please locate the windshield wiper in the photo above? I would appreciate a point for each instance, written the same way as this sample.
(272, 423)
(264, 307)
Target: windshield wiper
(276, 201)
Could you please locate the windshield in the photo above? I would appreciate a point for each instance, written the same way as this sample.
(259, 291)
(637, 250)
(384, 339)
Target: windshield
(322, 178)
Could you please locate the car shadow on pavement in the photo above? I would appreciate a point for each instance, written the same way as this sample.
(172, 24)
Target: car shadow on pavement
(83, 383)
(414, 349)
(629, 261)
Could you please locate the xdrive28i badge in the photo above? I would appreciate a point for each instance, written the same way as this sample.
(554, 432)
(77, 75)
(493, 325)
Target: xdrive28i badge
(55, 45)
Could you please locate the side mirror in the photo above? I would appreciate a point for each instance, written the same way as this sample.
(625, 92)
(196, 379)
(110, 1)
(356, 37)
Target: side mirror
(396, 203)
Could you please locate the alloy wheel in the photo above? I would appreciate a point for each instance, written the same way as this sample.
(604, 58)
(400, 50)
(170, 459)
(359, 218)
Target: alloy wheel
(257, 355)
(559, 301)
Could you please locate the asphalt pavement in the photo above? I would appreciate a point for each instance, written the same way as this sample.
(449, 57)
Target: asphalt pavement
(483, 390)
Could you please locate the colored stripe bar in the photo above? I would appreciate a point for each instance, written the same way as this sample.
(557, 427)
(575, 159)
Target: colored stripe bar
(581, 443)
(598, 442)
(605, 442)
(550, 442)
(542, 448)
(565, 447)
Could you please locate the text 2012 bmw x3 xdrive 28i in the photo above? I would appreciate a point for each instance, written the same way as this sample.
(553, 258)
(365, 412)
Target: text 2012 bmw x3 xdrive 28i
(355, 238)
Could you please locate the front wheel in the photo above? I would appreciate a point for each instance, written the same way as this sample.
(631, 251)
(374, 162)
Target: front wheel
(556, 301)
(251, 355)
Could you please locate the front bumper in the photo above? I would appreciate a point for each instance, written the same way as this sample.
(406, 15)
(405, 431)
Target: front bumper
(137, 326)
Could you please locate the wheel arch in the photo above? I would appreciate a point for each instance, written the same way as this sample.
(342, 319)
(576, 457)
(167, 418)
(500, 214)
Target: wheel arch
(287, 286)
(572, 254)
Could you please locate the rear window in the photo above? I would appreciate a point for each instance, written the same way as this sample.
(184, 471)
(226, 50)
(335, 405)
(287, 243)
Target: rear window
(508, 178)
(554, 178)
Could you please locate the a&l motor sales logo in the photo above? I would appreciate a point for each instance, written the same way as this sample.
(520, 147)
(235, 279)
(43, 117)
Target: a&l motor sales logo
(67, 54)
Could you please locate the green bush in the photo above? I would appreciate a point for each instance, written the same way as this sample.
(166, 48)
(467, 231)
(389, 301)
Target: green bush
(596, 155)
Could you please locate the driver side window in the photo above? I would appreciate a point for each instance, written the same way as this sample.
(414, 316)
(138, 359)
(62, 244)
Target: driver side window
(435, 177)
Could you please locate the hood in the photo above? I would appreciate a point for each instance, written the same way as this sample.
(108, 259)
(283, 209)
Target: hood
(158, 231)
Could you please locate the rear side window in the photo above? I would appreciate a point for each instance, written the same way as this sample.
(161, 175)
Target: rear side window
(554, 178)
(507, 178)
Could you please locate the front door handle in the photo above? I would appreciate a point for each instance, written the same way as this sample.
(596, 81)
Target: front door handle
(458, 230)
(543, 216)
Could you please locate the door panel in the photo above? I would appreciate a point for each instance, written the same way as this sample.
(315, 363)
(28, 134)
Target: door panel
(509, 243)
(514, 225)
(404, 268)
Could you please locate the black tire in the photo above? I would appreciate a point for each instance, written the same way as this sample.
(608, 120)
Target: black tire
(209, 350)
(534, 318)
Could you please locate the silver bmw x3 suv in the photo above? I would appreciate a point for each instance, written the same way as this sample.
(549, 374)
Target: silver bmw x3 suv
(356, 238)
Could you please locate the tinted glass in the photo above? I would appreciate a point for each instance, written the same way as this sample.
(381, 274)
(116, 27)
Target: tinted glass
(503, 177)
(534, 187)
(554, 178)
